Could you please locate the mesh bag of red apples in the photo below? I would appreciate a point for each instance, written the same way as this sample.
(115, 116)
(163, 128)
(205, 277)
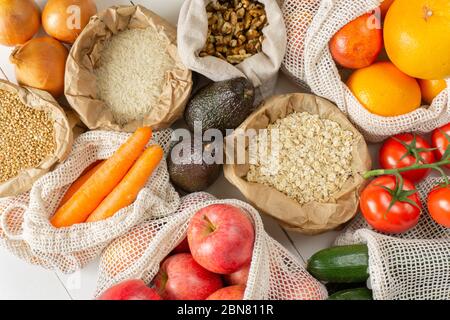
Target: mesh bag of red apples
(174, 258)
(318, 64)
(26, 226)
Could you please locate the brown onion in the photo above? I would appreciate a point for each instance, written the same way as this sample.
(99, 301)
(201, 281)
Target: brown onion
(65, 19)
(19, 21)
(40, 63)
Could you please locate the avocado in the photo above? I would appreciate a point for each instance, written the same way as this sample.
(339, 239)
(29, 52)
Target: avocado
(221, 105)
(187, 175)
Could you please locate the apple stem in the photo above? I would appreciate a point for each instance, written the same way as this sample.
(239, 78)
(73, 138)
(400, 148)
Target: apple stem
(211, 225)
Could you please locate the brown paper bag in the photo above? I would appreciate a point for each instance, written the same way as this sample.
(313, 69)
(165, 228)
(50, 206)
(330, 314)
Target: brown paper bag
(314, 217)
(80, 80)
(40, 100)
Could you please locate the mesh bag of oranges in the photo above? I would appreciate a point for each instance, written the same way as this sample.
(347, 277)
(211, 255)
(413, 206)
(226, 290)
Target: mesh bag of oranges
(40, 226)
(274, 273)
(384, 63)
(414, 265)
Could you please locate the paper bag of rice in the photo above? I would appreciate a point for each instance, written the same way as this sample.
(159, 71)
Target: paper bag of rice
(124, 71)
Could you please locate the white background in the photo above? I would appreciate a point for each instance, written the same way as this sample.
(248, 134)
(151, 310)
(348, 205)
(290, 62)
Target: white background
(19, 280)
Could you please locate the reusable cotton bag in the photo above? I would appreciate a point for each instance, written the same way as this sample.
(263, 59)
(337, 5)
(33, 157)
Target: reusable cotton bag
(261, 69)
(310, 26)
(25, 229)
(414, 265)
(275, 274)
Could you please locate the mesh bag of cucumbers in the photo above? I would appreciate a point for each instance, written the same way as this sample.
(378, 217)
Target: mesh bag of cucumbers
(274, 273)
(310, 25)
(414, 265)
(26, 229)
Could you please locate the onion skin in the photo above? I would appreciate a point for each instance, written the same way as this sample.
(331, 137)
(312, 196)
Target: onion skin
(19, 21)
(57, 16)
(40, 63)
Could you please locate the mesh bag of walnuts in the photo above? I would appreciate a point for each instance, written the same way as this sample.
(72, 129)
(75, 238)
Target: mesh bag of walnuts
(310, 26)
(245, 39)
(25, 229)
(413, 265)
(275, 274)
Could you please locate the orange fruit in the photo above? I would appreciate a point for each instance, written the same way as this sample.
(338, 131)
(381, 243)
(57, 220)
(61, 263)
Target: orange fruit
(431, 89)
(384, 7)
(358, 43)
(416, 37)
(384, 90)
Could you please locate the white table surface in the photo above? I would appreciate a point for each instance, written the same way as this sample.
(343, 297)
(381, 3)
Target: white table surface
(19, 280)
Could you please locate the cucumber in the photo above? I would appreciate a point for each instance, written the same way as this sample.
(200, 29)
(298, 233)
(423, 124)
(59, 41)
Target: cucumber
(344, 264)
(336, 287)
(352, 294)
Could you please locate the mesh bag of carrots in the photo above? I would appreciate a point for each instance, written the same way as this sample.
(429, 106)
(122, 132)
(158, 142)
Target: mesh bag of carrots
(274, 273)
(310, 25)
(414, 265)
(110, 183)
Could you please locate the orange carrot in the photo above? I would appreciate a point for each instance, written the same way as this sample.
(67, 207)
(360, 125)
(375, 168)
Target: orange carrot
(102, 182)
(127, 190)
(76, 185)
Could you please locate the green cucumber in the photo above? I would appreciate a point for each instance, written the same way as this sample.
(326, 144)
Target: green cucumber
(336, 287)
(352, 294)
(344, 264)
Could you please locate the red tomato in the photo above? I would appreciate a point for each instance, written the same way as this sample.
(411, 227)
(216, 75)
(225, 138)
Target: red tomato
(439, 205)
(375, 202)
(392, 155)
(358, 44)
(440, 141)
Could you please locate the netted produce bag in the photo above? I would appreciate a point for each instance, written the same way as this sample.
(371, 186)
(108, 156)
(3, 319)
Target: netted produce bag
(25, 229)
(310, 26)
(414, 265)
(261, 68)
(275, 273)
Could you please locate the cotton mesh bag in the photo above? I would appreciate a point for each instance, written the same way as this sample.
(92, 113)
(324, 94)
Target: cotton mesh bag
(261, 69)
(275, 274)
(310, 25)
(411, 266)
(25, 229)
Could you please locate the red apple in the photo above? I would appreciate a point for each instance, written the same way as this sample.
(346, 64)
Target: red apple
(229, 293)
(130, 290)
(221, 238)
(239, 277)
(181, 278)
(183, 247)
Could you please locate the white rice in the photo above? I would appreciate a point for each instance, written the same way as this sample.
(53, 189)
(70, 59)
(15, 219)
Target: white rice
(131, 73)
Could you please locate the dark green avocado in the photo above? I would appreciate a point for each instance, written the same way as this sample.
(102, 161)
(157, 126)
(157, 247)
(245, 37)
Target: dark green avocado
(189, 176)
(221, 105)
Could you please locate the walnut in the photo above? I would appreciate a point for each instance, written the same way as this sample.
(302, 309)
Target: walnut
(234, 29)
(227, 28)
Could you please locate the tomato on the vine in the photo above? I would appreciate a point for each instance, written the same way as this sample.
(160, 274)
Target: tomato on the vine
(440, 139)
(439, 204)
(405, 150)
(390, 205)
